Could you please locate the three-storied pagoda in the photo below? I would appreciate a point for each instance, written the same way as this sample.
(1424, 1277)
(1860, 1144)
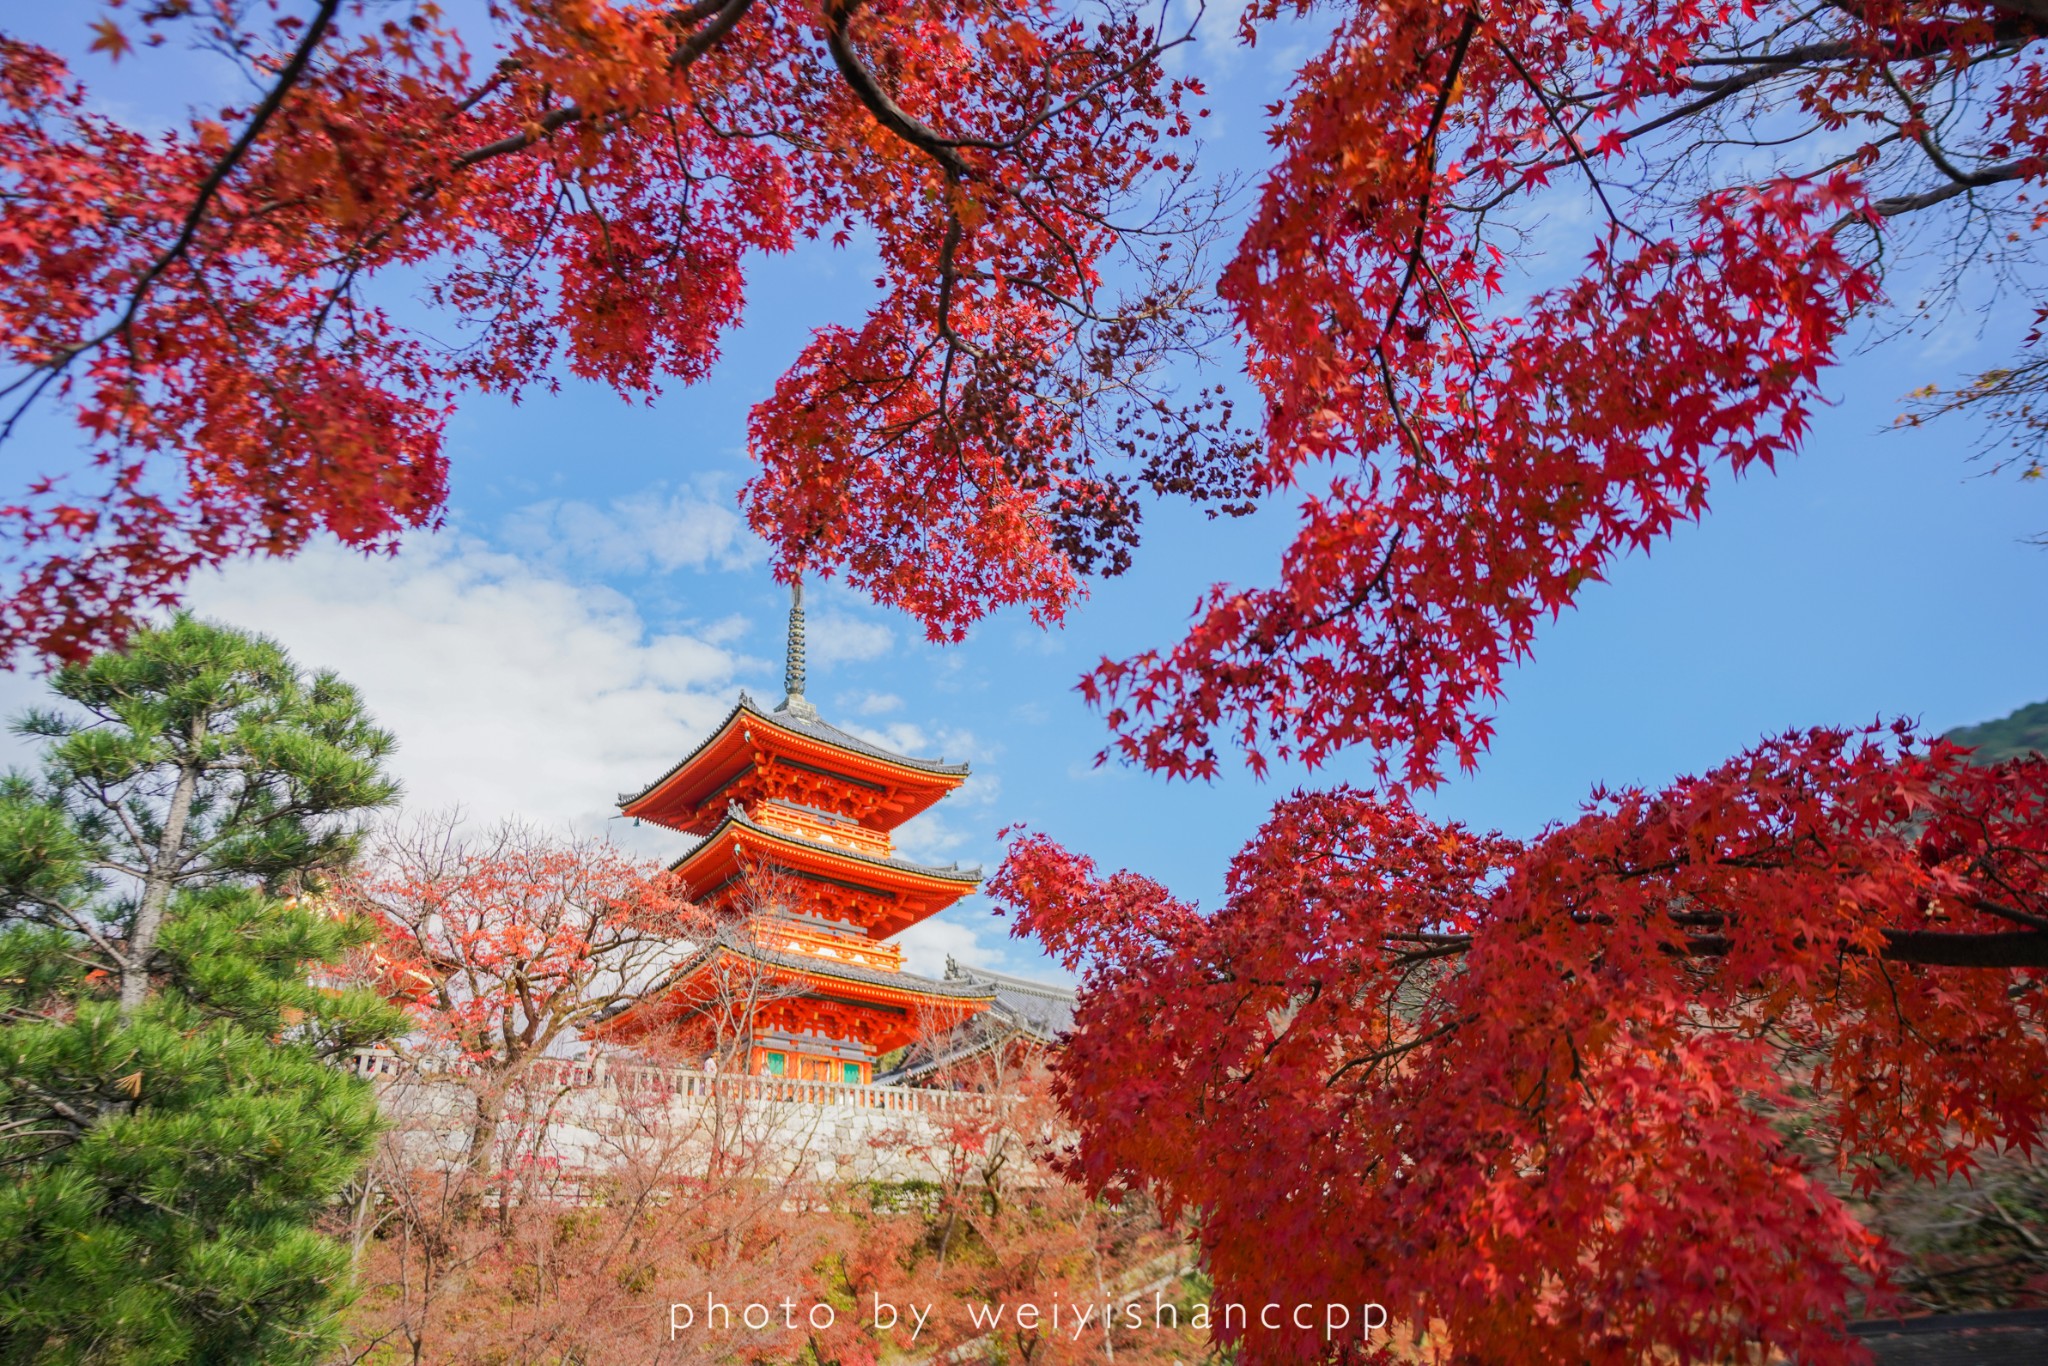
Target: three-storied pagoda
(796, 859)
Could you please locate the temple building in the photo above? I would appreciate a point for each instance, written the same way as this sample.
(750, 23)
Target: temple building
(1025, 1020)
(795, 856)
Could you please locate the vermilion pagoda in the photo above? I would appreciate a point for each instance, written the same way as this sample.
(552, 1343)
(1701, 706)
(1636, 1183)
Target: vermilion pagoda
(796, 858)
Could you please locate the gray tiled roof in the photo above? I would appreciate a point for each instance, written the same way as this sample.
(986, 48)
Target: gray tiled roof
(1038, 1011)
(809, 727)
(832, 735)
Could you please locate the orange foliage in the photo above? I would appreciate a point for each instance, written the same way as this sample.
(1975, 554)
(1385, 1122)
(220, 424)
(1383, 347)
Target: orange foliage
(708, 1203)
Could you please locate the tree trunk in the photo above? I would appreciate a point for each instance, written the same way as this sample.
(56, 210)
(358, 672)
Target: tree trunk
(483, 1129)
(156, 888)
(2032, 9)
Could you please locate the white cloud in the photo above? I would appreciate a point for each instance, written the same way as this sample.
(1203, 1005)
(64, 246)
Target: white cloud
(650, 530)
(950, 743)
(981, 790)
(930, 839)
(20, 691)
(512, 690)
(835, 638)
(969, 933)
(878, 703)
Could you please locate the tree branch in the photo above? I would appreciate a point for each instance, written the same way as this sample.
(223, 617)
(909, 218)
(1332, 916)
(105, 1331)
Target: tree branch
(891, 115)
(722, 16)
(1393, 1051)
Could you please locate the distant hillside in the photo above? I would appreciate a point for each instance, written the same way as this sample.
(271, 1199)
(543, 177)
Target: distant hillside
(2025, 730)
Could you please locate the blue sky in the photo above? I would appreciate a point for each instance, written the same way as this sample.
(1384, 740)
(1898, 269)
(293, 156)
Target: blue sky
(595, 603)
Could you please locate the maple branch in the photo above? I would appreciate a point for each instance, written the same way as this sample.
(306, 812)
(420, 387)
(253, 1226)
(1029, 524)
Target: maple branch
(888, 113)
(2004, 912)
(722, 15)
(1921, 948)
(1570, 139)
(287, 78)
(949, 250)
(1941, 948)
(1457, 317)
(942, 150)
(1893, 205)
(1427, 147)
(520, 141)
(1931, 42)
(1371, 1060)
(1147, 58)
(506, 70)
(1450, 948)
(1418, 244)
(1375, 584)
(1764, 67)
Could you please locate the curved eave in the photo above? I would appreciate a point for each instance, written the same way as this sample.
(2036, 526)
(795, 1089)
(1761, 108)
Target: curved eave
(843, 983)
(887, 874)
(834, 984)
(713, 766)
(836, 981)
(717, 732)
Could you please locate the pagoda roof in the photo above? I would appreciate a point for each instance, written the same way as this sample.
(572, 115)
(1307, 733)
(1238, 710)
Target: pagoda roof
(811, 728)
(793, 732)
(736, 818)
(792, 719)
(870, 987)
(1043, 1010)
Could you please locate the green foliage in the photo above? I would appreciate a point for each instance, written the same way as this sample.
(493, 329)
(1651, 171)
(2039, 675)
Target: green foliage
(904, 1196)
(171, 1124)
(2023, 732)
(1971, 1244)
(280, 759)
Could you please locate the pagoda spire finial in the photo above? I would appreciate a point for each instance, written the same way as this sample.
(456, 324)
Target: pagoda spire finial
(793, 660)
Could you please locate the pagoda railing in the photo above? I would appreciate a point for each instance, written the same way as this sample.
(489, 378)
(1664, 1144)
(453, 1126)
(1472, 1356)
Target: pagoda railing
(648, 1084)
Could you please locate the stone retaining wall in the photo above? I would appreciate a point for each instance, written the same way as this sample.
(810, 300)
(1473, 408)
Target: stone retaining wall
(579, 1119)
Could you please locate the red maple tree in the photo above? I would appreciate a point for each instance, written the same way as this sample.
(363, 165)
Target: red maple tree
(210, 302)
(507, 946)
(1570, 1099)
(201, 298)
(1541, 1092)
(1743, 173)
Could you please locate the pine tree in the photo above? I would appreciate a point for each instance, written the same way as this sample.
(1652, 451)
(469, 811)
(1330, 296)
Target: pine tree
(171, 1124)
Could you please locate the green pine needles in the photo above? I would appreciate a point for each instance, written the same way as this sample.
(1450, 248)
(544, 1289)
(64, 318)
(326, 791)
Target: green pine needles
(172, 1123)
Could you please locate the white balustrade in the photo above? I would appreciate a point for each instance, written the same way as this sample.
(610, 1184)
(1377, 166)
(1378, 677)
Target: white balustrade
(687, 1083)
